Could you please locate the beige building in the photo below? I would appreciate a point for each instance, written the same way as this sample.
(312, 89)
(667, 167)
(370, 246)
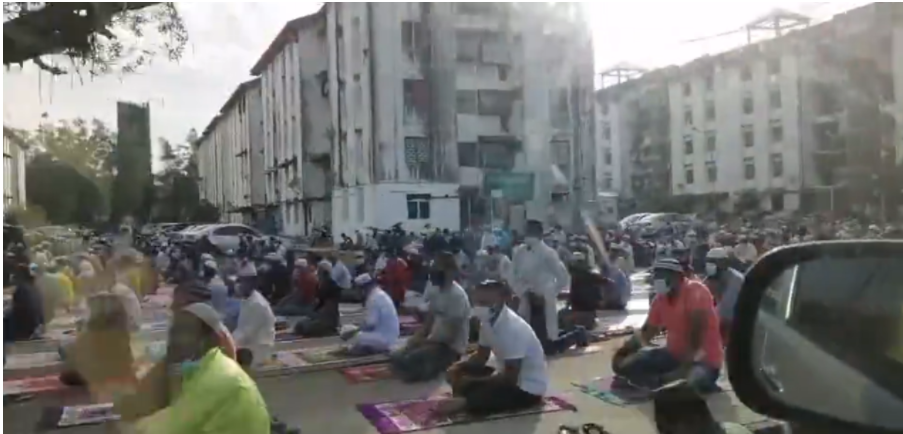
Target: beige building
(13, 171)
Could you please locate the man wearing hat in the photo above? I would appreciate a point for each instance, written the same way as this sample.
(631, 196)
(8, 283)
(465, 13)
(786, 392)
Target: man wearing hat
(381, 327)
(725, 283)
(693, 350)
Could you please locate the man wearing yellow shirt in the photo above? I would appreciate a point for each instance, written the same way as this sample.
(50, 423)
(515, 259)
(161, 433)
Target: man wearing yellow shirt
(215, 396)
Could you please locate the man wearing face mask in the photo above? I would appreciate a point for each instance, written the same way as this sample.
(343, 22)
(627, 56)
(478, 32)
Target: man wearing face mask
(693, 351)
(539, 275)
(442, 339)
(725, 282)
(522, 377)
(214, 394)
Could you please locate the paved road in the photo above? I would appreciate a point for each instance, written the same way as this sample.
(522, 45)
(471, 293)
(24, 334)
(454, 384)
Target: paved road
(324, 402)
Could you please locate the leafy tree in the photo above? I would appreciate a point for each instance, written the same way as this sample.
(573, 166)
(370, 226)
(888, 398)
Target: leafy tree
(95, 37)
(66, 196)
(177, 192)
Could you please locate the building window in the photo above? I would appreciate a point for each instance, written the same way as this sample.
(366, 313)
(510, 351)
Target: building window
(749, 168)
(411, 37)
(777, 131)
(688, 116)
(710, 110)
(746, 73)
(467, 155)
(777, 165)
(467, 102)
(416, 100)
(748, 106)
(498, 156)
(607, 155)
(360, 205)
(774, 98)
(774, 66)
(711, 171)
(417, 156)
(749, 139)
(688, 173)
(607, 182)
(709, 83)
(606, 131)
(688, 145)
(418, 206)
(688, 89)
(710, 141)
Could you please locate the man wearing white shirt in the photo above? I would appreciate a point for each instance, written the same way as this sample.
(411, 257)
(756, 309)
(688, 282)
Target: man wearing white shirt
(255, 333)
(538, 277)
(381, 328)
(340, 274)
(521, 379)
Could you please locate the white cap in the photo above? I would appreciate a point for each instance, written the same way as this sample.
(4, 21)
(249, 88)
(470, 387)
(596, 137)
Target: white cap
(717, 253)
(363, 279)
(301, 263)
(211, 264)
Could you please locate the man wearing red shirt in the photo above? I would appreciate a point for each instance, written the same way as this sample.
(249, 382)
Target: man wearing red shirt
(396, 278)
(693, 352)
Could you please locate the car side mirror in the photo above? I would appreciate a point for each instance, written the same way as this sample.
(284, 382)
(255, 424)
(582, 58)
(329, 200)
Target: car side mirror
(817, 337)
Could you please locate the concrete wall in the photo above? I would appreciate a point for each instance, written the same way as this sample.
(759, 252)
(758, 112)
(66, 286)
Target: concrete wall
(385, 204)
(13, 174)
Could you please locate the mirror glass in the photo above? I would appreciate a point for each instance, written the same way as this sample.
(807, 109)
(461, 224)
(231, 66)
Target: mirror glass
(829, 339)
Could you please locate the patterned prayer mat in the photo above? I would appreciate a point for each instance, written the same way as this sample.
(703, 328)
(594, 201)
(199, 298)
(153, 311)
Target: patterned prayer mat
(418, 415)
(367, 373)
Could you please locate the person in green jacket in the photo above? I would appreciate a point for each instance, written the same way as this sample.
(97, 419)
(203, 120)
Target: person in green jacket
(215, 395)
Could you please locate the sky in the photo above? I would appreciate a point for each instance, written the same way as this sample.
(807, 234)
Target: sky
(226, 39)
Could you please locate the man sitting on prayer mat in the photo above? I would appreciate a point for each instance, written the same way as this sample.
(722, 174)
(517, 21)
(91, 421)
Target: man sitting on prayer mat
(381, 328)
(255, 334)
(215, 395)
(102, 353)
(442, 339)
(521, 380)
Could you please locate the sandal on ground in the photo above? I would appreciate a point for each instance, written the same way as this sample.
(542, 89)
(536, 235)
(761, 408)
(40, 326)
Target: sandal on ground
(565, 429)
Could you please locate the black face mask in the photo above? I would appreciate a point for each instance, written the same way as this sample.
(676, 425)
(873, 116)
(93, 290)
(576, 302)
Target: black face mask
(437, 278)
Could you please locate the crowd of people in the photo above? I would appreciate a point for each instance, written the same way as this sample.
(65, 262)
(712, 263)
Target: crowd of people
(474, 294)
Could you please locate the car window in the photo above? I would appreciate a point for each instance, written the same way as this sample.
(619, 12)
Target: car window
(228, 231)
(853, 309)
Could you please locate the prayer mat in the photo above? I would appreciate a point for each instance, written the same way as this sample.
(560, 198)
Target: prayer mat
(282, 361)
(33, 385)
(327, 358)
(77, 415)
(577, 351)
(367, 373)
(418, 415)
(624, 394)
(32, 360)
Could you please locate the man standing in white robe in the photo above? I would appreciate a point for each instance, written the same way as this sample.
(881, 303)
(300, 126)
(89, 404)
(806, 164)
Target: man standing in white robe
(539, 273)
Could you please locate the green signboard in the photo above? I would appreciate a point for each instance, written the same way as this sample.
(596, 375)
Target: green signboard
(515, 186)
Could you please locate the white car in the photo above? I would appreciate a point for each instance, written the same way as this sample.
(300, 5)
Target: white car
(225, 236)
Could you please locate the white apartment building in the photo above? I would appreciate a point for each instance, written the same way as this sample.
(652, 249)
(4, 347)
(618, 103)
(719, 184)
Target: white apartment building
(230, 156)
(749, 123)
(298, 126)
(13, 171)
(438, 107)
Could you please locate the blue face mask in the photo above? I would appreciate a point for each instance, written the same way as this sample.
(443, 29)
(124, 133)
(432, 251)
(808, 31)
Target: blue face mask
(188, 367)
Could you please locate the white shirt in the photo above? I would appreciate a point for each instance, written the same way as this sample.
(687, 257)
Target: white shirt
(746, 252)
(539, 270)
(340, 275)
(381, 328)
(511, 338)
(256, 328)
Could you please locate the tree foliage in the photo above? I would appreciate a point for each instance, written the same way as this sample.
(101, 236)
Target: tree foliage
(65, 195)
(177, 193)
(95, 37)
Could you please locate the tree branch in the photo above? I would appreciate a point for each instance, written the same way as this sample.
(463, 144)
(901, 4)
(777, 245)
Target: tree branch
(59, 27)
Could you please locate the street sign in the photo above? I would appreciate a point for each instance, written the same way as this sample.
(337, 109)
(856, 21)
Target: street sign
(514, 186)
(497, 194)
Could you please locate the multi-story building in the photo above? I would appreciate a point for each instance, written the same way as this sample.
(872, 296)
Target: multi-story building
(774, 125)
(298, 127)
(230, 157)
(447, 115)
(13, 171)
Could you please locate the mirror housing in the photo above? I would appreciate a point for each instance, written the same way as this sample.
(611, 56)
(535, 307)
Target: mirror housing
(750, 386)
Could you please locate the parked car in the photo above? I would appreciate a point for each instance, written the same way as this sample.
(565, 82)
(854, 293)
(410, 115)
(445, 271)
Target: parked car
(225, 236)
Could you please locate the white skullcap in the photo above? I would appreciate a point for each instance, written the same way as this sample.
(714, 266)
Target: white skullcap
(363, 279)
(206, 257)
(211, 264)
(717, 253)
(247, 270)
(300, 263)
(325, 265)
